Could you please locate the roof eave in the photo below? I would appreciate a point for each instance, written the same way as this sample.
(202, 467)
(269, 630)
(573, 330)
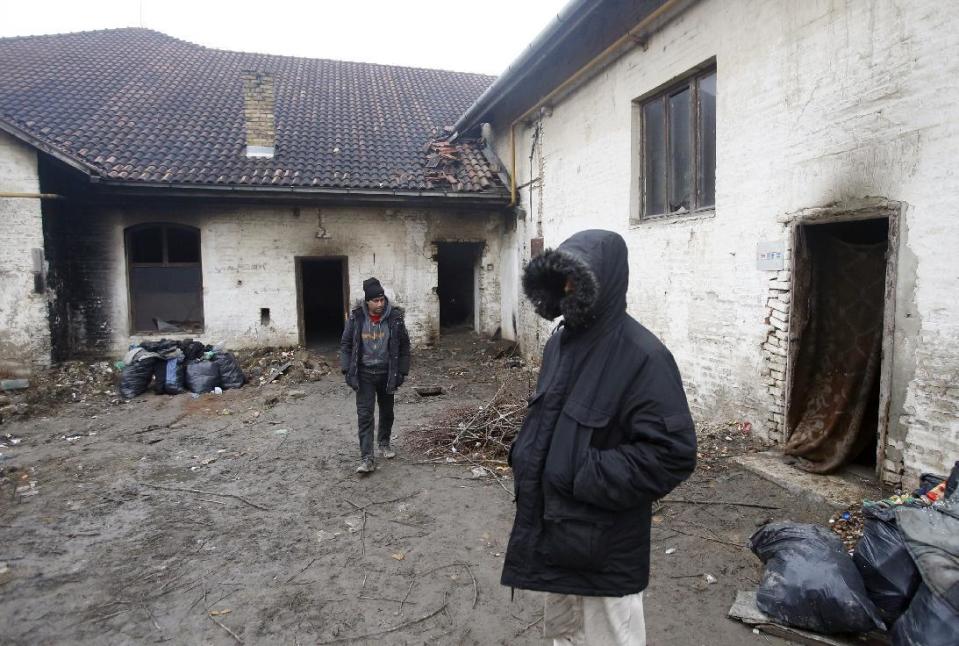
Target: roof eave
(26, 137)
(584, 41)
(493, 199)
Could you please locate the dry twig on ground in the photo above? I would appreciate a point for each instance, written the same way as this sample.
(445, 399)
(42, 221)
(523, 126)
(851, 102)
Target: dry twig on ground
(486, 431)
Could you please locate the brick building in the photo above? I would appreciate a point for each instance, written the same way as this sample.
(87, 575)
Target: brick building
(778, 169)
(152, 187)
(781, 172)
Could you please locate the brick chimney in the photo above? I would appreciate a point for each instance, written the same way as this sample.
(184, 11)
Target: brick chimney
(258, 114)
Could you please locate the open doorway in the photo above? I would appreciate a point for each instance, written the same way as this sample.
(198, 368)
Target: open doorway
(458, 283)
(834, 410)
(323, 304)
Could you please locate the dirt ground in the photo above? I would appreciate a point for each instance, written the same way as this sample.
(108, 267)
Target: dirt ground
(239, 519)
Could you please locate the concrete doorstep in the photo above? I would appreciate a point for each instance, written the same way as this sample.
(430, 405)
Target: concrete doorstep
(840, 490)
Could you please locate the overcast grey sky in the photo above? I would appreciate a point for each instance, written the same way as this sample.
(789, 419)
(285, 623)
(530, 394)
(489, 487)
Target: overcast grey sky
(461, 35)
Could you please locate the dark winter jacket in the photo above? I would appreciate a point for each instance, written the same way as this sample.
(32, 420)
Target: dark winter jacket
(398, 347)
(608, 431)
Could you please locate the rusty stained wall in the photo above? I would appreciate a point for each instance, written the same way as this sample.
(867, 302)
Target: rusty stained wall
(248, 258)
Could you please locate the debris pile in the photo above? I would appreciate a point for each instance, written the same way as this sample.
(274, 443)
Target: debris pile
(715, 443)
(902, 576)
(69, 382)
(486, 431)
(848, 525)
(292, 365)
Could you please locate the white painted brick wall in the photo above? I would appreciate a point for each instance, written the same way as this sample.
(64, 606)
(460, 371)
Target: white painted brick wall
(818, 102)
(24, 332)
(248, 257)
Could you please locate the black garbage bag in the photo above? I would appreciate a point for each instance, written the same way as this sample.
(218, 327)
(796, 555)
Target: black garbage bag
(174, 376)
(810, 582)
(159, 376)
(231, 375)
(135, 378)
(888, 571)
(193, 350)
(202, 376)
(929, 621)
(952, 484)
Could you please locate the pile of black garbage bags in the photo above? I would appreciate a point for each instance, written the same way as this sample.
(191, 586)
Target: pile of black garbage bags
(903, 575)
(174, 367)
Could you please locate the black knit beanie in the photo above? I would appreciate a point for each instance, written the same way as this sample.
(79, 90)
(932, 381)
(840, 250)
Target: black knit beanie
(372, 289)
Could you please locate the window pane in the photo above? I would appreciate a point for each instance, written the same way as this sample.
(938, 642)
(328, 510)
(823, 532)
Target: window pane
(171, 294)
(680, 151)
(654, 157)
(707, 140)
(183, 245)
(146, 245)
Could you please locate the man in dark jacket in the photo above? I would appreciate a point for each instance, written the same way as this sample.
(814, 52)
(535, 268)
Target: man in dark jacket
(375, 359)
(608, 431)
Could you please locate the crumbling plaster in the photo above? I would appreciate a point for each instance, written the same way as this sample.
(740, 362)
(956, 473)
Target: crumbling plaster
(24, 333)
(248, 263)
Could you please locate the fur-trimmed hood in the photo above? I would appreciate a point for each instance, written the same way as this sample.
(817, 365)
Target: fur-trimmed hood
(597, 262)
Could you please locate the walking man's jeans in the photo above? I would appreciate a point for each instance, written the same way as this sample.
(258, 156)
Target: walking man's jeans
(373, 390)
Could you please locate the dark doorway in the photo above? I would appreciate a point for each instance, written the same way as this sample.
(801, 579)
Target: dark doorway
(323, 300)
(839, 291)
(457, 282)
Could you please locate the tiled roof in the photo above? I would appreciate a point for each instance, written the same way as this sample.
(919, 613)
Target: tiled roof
(134, 105)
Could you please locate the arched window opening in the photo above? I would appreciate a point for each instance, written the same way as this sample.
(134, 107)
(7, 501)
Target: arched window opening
(166, 278)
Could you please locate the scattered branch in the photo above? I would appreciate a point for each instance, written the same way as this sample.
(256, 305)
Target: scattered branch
(232, 634)
(686, 501)
(206, 493)
(412, 622)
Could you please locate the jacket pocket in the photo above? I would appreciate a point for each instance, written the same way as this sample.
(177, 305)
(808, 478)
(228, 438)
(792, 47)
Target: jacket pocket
(572, 438)
(521, 435)
(574, 544)
(586, 415)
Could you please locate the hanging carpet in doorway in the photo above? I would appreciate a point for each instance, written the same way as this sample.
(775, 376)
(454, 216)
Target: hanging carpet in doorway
(838, 363)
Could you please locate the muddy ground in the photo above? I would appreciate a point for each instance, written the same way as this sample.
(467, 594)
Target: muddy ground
(238, 519)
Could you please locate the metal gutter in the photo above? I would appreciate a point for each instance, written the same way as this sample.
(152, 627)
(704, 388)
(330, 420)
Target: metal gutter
(179, 190)
(568, 18)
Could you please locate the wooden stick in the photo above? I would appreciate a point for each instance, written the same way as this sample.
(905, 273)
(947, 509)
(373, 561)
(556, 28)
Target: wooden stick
(340, 640)
(232, 634)
(298, 573)
(206, 493)
(407, 596)
(707, 538)
(718, 502)
(492, 473)
(475, 587)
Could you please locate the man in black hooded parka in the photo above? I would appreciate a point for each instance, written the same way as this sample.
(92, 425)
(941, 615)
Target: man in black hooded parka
(608, 431)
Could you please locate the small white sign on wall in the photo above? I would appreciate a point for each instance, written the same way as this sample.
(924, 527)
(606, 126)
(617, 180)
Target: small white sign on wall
(770, 256)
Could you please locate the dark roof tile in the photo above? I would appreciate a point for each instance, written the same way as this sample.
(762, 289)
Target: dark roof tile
(138, 105)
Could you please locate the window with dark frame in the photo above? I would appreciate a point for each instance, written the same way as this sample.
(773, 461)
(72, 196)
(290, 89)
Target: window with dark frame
(678, 148)
(166, 280)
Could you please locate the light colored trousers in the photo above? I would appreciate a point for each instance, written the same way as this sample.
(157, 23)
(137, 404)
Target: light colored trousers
(571, 620)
